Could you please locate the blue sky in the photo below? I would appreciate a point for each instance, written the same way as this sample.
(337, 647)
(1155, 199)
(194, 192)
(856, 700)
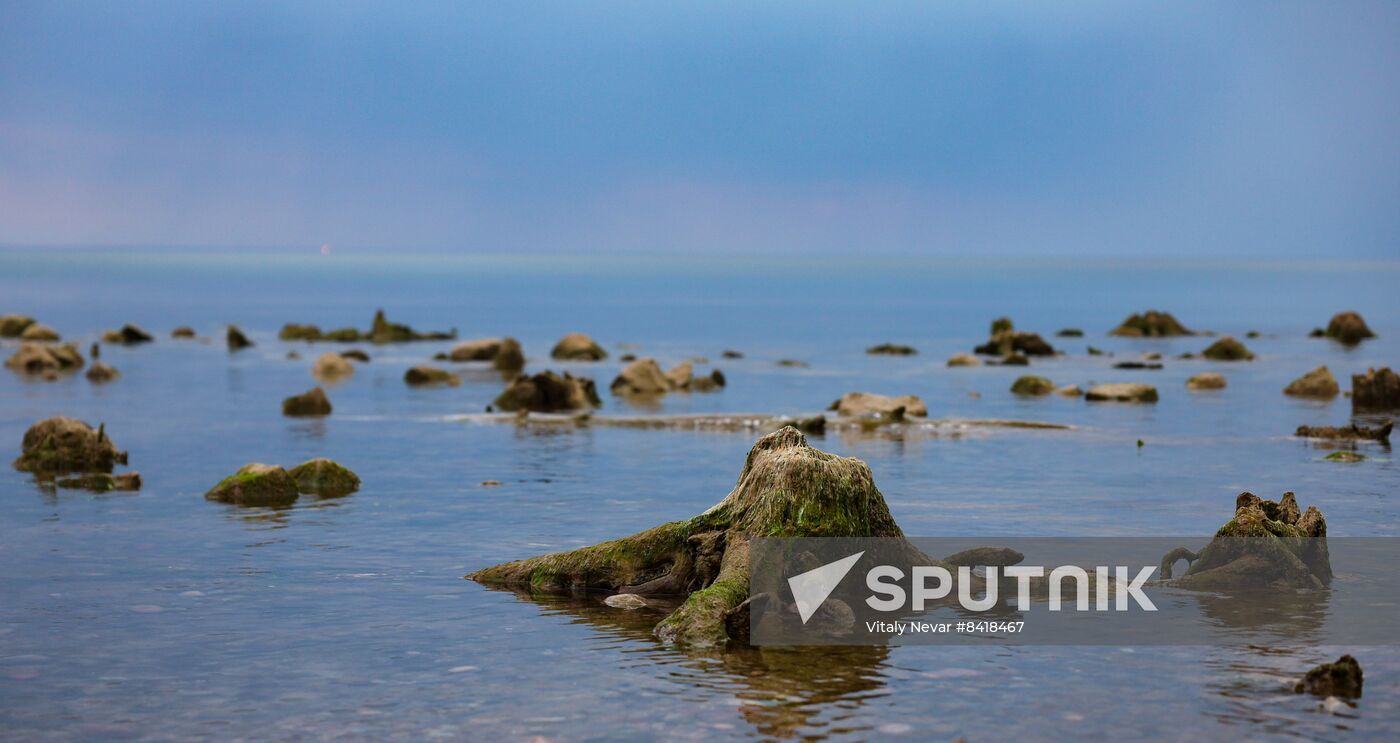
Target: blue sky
(1123, 128)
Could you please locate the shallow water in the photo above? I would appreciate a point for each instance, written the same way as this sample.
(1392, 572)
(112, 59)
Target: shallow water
(160, 615)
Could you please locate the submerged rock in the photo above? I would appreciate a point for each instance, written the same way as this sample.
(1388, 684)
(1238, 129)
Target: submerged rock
(1227, 349)
(1151, 324)
(1122, 392)
(715, 380)
(786, 489)
(236, 339)
(331, 366)
(625, 601)
(1377, 389)
(1031, 385)
(59, 445)
(1265, 545)
(324, 477)
(309, 403)
(40, 358)
(1206, 381)
(1317, 383)
(39, 332)
(857, 404)
(891, 349)
(1352, 432)
(296, 332)
(1345, 456)
(1070, 333)
(12, 326)
(578, 347)
(1014, 359)
(1008, 341)
(1349, 328)
(424, 376)
(1340, 679)
(793, 363)
(99, 373)
(1151, 365)
(184, 331)
(964, 359)
(128, 335)
(383, 331)
(256, 485)
(1070, 390)
(732, 354)
(102, 482)
(548, 392)
(641, 377)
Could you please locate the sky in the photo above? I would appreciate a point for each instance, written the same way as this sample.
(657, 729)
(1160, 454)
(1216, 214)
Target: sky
(726, 128)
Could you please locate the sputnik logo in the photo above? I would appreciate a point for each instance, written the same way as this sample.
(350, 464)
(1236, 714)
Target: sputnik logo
(811, 589)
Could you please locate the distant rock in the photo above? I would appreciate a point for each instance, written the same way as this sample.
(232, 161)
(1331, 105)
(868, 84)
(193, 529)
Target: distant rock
(184, 331)
(343, 335)
(679, 376)
(1070, 390)
(42, 358)
(1070, 333)
(427, 376)
(296, 332)
(13, 326)
(331, 366)
(39, 332)
(383, 331)
(964, 359)
(60, 445)
(503, 353)
(1031, 385)
(99, 373)
(101, 482)
(324, 477)
(1206, 381)
(856, 404)
(641, 377)
(1351, 432)
(1349, 328)
(1151, 365)
(1318, 383)
(313, 402)
(793, 363)
(1377, 389)
(578, 347)
(1340, 679)
(256, 485)
(355, 354)
(1227, 349)
(715, 380)
(1006, 341)
(1151, 324)
(1345, 456)
(732, 354)
(891, 349)
(1122, 392)
(1093, 351)
(548, 392)
(128, 335)
(236, 339)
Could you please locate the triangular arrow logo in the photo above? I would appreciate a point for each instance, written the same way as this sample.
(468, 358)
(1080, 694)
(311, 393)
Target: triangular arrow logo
(811, 588)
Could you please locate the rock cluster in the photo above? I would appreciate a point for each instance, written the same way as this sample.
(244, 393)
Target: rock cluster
(259, 484)
(548, 392)
(1151, 324)
(1266, 544)
(644, 378)
(61, 446)
(45, 359)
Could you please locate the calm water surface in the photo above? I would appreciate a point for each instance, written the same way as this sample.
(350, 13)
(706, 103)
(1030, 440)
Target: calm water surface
(161, 616)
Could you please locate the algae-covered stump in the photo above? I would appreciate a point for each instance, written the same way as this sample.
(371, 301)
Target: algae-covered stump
(786, 489)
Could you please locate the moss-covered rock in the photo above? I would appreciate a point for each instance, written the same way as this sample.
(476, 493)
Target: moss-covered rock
(60, 445)
(1318, 383)
(42, 358)
(548, 392)
(1345, 456)
(1069, 333)
(343, 335)
(127, 335)
(12, 326)
(578, 347)
(1349, 328)
(1265, 545)
(331, 366)
(430, 376)
(100, 373)
(1351, 432)
(1227, 349)
(786, 489)
(1122, 392)
(891, 349)
(236, 340)
(1151, 324)
(102, 482)
(1206, 381)
(1340, 679)
(40, 333)
(324, 477)
(299, 332)
(856, 404)
(1031, 385)
(184, 331)
(641, 377)
(313, 402)
(1377, 389)
(256, 485)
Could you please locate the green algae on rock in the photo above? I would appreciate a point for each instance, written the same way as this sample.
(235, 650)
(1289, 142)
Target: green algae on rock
(1151, 324)
(1345, 456)
(1340, 679)
(1227, 349)
(324, 477)
(786, 489)
(1266, 544)
(1318, 383)
(60, 445)
(256, 485)
(548, 392)
(1031, 385)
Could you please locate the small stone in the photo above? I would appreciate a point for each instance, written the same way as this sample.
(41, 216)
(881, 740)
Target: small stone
(1227, 349)
(184, 331)
(625, 601)
(891, 349)
(256, 485)
(313, 402)
(424, 375)
(490, 483)
(1122, 392)
(1070, 390)
(1345, 456)
(128, 335)
(1070, 333)
(1032, 385)
(642, 377)
(1151, 324)
(548, 392)
(964, 359)
(99, 373)
(1340, 679)
(732, 354)
(1318, 383)
(1206, 381)
(324, 477)
(578, 347)
(355, 354)
(793, 363)
(236, 339)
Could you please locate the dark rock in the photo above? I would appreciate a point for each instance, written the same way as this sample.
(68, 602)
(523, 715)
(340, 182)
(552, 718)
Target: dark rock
(1151, 324)
(1349, 328)
(343, 335)
(891, 349)
(355, 354)
(1137, 365)
(627, 357)
(60, 445)
(1375, 390)
(1094, 351)
(256, 485)
(13, 326)
(101, 482)
(1007, 342)
(1352, 432)
(324, 477)
(310, 403)
(548, 392)
(1318, 383)
(184, 331)
(1340, 679)
(99, 373)
(294, 332)
(1001, 325)
(793, 363)
(1032, 385)
(504, 353)
(732, 355)
(1070, 333)
(1227, 349)
(129, 335)
(383, 331)
(710, 383)
(236, 339)
(424, 375)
